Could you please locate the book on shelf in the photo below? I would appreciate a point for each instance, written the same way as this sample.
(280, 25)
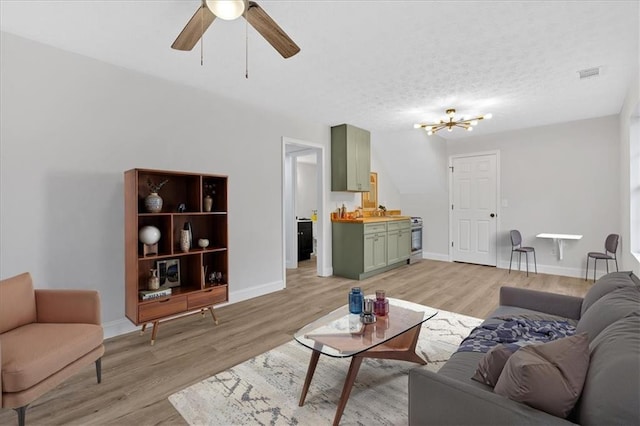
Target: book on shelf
(154, 294)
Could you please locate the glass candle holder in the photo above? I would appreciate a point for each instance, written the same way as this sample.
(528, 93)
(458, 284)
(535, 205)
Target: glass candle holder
(381, 304)
(355, 300)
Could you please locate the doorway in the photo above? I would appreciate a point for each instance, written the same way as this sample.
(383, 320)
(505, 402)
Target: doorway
(474, 189)
(293, 149)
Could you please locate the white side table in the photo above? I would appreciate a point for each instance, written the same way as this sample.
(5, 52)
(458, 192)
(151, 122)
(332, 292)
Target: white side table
(559, 240)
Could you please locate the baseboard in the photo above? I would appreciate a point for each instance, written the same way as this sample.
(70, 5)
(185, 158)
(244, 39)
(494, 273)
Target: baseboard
(326, 271)
(118, 327)
(124, 326)
(250, 293)
(435, 256)
(550, 269)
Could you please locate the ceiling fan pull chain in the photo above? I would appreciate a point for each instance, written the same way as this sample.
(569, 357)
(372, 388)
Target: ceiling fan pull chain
(202, 35)
(246, 49)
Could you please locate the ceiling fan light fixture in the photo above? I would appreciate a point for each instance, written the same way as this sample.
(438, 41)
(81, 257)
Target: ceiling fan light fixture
(474, 122)
(227, 9)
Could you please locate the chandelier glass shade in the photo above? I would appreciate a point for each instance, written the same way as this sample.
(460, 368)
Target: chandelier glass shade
(464, 123)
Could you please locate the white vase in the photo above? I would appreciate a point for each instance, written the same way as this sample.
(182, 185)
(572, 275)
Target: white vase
(185, 240)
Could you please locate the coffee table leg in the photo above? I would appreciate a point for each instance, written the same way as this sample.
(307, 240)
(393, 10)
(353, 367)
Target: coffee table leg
(346, 390)
(313, 362)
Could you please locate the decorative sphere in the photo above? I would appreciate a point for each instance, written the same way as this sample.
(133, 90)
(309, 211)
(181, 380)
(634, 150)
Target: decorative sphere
(203, 242)
(149, 235)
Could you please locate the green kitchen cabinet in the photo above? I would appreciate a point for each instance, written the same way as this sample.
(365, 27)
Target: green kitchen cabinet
(375, 247)
(350, 158)
(361, 250)
(398, 241)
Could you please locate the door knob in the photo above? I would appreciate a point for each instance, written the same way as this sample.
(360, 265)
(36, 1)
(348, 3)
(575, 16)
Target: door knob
(492, 215)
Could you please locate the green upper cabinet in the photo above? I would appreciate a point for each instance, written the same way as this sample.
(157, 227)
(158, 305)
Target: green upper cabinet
(350, 158)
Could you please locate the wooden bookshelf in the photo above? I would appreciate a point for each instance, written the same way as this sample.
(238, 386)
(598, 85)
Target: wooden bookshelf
(187, 273)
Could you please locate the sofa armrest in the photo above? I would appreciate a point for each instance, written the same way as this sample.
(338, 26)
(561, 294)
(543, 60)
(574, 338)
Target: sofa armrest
(68, 306)
(435, 399)
(542, 301)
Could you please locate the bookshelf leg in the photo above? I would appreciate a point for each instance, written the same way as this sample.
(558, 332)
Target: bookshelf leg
(154, 333)
(215, 320)
(144, 327)
(202, 312)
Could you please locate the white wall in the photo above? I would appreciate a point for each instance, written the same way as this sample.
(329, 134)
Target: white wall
(416, 166)
(306, 188)
(560, 179)
(630, 171)
(72, 125)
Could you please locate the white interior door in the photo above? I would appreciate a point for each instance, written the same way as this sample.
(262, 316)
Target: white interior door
(474, 209)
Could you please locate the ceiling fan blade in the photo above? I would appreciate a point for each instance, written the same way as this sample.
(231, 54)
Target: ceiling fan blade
(194, 29)
(268, 28)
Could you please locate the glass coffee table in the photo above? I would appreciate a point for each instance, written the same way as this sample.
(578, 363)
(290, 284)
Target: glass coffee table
(340, 334)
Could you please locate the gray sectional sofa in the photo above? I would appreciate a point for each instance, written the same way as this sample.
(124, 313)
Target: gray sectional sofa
(609, 314)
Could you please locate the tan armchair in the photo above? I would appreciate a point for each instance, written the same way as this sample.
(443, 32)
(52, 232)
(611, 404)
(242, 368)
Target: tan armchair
(46, 336)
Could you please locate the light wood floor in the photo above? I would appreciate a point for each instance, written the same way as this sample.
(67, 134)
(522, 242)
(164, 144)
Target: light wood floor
(137, 378)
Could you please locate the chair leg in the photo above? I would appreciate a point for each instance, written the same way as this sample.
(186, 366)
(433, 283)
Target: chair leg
(526, 256)
(616, 258)
(22, 413)
(519, 261)
(510, 259)
(535, 262)
(607, 262)
(99, 369)
(586, 274)
(595, 266)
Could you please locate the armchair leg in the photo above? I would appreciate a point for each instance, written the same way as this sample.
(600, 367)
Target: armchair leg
(99, 369)
(22, 413)
(510, 260)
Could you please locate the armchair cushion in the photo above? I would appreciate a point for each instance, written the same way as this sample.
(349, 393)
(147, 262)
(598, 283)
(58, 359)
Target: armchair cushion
(68, 306)
(17, 302)
(32, 352)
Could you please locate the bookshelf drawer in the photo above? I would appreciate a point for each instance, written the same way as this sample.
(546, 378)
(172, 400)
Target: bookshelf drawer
(207, 297)
(162, 308)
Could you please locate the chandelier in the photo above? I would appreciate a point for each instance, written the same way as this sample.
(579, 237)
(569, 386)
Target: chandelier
(464, 123)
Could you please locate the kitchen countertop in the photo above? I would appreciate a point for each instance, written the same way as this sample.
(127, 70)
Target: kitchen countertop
(372, 219)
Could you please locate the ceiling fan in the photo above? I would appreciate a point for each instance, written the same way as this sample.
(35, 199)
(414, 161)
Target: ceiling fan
(229, 10)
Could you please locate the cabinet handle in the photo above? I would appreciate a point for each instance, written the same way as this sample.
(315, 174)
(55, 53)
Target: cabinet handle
(164, 301)
(209, 291)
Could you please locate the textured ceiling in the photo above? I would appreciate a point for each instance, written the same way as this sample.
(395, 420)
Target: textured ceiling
(381, 65)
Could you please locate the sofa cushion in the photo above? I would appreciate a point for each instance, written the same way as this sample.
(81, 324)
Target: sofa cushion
(604, 285)
(611, 393)
(33, 352)
(491, 365)
(547, 376)
(17, 302)
(608, 309)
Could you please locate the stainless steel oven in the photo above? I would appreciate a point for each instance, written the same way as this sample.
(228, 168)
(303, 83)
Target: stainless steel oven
(416, 239)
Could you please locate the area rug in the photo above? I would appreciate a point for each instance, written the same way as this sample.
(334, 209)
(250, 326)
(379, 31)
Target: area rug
(265, 390)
